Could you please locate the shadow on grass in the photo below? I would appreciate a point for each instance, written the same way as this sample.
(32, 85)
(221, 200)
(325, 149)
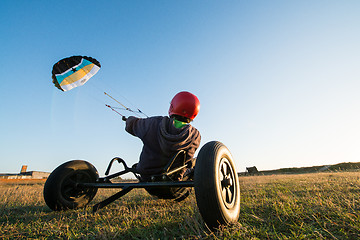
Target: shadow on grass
(24, 214)
(109, 223)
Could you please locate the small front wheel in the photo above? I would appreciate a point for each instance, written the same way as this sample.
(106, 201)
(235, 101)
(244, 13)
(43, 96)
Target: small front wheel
(216, 184)
(61, 191)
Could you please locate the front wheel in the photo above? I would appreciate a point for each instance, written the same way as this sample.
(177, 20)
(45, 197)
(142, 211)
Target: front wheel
(216, 185)
(61, 191)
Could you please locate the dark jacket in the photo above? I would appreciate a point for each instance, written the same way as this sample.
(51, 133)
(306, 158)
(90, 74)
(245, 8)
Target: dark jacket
(161, 141)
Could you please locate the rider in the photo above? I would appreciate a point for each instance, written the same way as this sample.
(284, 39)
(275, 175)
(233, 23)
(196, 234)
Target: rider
(164, 136)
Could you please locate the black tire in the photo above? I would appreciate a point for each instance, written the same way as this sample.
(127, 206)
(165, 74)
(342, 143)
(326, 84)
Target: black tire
(216, 185)
(60, 191)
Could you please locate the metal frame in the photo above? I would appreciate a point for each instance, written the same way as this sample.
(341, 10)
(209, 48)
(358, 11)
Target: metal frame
(161, 180)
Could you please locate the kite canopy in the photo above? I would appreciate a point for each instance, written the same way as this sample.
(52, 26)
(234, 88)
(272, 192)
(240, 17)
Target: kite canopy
(74, 71)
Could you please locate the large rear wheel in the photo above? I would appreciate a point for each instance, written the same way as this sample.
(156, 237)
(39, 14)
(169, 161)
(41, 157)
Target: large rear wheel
(216, 184)
(61, 191)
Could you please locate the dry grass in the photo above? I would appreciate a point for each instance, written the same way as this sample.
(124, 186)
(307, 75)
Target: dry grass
(308, 206)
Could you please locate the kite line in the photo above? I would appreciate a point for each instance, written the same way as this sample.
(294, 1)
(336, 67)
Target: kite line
(123, 107)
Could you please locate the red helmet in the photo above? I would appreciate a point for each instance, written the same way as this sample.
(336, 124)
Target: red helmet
(184, 104)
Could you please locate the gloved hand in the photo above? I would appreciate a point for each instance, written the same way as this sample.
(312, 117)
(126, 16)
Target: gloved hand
(124, 118)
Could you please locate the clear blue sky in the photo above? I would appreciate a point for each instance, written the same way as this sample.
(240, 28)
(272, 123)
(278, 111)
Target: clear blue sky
(278, 81)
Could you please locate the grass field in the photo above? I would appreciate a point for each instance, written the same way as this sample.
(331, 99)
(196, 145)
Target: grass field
(304, 206)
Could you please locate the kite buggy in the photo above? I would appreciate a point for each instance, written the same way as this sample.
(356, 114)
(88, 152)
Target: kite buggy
(74, 184)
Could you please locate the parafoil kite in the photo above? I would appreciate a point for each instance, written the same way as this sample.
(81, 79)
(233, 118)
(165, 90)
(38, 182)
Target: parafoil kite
(74, 71)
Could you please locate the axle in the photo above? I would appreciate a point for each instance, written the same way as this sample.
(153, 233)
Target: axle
(136, 184)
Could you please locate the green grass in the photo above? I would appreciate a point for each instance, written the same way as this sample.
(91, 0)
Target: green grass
(306, 206)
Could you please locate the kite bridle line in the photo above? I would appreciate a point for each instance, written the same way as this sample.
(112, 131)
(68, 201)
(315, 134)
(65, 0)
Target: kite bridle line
(124, 107)
(114, 110)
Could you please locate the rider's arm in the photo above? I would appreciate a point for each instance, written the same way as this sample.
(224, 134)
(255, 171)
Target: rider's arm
(139, 127)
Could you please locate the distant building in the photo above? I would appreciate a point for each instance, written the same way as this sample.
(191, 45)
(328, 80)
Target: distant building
(251, 170)
(24, 174)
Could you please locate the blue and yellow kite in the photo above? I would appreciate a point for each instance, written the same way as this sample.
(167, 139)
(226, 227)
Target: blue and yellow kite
(74, 71)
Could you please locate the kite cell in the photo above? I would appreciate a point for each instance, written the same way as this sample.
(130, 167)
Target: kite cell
(74, 71)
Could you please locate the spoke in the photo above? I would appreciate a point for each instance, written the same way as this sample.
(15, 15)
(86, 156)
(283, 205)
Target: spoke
(222, 170)
(229, 195)
(79, 177)
(227, 169)
(224, 193)
(68, 192)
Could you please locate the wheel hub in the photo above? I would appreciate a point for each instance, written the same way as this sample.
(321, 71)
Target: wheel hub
(227, 184)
